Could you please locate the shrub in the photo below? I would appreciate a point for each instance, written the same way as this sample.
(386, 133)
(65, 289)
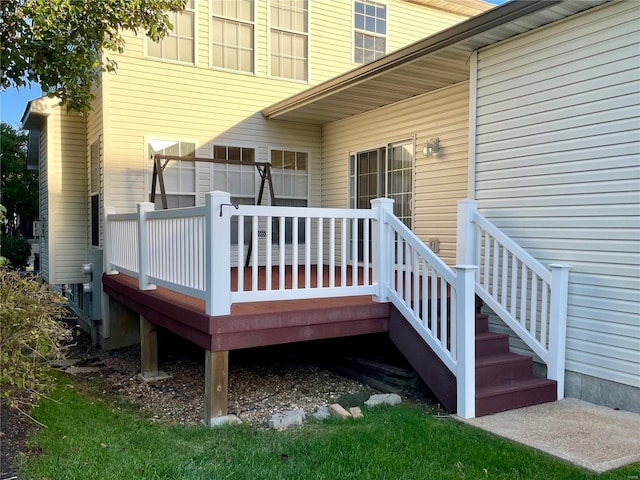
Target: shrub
(30, 333)
(16, 250)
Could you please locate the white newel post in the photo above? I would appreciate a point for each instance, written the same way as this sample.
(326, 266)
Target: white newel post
(108, 268)
(143, 246)
(466, 338)
(218, 253)
(380, 248)
(558, 324)
(467, 233)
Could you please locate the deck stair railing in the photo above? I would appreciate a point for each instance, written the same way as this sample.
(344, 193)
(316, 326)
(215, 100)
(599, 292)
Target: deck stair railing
(528, 297)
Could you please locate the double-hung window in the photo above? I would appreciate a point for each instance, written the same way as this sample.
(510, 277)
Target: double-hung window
(179, 176)
(178, 44)
(237, 179)
(94, 192)
(289, 170)
(290, 39)
(370, 31)
(232, 26)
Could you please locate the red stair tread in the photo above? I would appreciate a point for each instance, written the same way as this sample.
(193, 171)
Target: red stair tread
(512, 386)
(500, 358)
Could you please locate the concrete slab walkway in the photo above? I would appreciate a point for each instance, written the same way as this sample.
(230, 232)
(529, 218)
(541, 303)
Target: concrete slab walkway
(590, 436)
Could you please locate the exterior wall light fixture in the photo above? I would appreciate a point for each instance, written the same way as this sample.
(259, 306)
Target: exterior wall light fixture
(432, 147)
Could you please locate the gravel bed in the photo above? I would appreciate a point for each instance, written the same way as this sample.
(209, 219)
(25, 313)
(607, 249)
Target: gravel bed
(262, 382)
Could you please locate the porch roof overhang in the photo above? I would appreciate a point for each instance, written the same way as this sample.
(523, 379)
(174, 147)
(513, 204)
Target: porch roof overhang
(430, 64)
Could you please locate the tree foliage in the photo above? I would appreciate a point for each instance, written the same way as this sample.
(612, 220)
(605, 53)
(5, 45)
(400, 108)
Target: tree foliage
(64, 44)
(19, 186)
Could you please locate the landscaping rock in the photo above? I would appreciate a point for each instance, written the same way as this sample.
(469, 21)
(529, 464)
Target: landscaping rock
(280, 421)
(383, 399)
(336, 410)
(356, 412)
(224, 420)
(322, 412)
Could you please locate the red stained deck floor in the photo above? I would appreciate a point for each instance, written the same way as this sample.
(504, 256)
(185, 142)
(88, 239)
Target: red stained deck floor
(258, 323)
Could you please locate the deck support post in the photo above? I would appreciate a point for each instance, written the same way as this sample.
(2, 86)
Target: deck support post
(467, 233)
(558, 325)
(466, 340)
(216, 386)
(218, 253)
(149, 352)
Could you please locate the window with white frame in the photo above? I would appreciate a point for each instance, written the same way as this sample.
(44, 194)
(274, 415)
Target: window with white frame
(370, 31)
(237, 179)
(179, 43)
(290, 39)
(94, 192)
(289, 171)
(179, 175)
(232, 27)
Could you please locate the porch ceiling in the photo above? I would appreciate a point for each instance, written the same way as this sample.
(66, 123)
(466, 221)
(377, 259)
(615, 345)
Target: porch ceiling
(427, 65)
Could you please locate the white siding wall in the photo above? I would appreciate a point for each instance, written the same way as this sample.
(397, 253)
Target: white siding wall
(439, 182)
(149, 98)
(558, 144)
(67, 197)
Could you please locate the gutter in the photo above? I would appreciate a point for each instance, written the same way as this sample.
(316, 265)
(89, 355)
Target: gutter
(495, 17)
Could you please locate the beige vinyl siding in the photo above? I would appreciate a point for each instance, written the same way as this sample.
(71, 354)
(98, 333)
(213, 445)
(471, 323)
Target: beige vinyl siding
(43, 176)
(67, 196)
(558, 142)
(149, 98)
(407, 23)
(440, 181)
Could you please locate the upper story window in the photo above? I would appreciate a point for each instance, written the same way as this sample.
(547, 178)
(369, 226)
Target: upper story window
(179, 43)
(232, 27)
(179, 176)
(290, 39)
(370, 31)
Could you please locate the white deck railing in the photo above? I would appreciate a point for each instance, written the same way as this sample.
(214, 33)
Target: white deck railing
(528, 297)
(310, 252)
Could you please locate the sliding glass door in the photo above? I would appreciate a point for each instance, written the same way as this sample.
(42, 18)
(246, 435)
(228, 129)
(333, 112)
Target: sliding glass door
(383, 172)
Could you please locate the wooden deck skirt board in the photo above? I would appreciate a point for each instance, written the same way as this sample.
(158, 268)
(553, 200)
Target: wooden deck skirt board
(250, 324)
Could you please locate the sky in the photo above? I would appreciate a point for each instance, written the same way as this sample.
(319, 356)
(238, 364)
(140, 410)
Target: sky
(13, 102)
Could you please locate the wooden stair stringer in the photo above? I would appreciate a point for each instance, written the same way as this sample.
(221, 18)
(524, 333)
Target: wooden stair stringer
(424, 361)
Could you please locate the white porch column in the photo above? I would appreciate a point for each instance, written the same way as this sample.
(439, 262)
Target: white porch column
(218, 253)
(143, 246)
(558, 324)
(466, 340)
(381, 249)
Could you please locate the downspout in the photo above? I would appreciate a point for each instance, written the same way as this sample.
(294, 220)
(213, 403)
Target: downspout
(473, 113)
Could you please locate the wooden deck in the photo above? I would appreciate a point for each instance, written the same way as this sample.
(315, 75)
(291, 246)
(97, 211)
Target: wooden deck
(253, 324)
(248, 325)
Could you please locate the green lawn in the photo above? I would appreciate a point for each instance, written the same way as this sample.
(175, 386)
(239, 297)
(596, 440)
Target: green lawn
(88, 438)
